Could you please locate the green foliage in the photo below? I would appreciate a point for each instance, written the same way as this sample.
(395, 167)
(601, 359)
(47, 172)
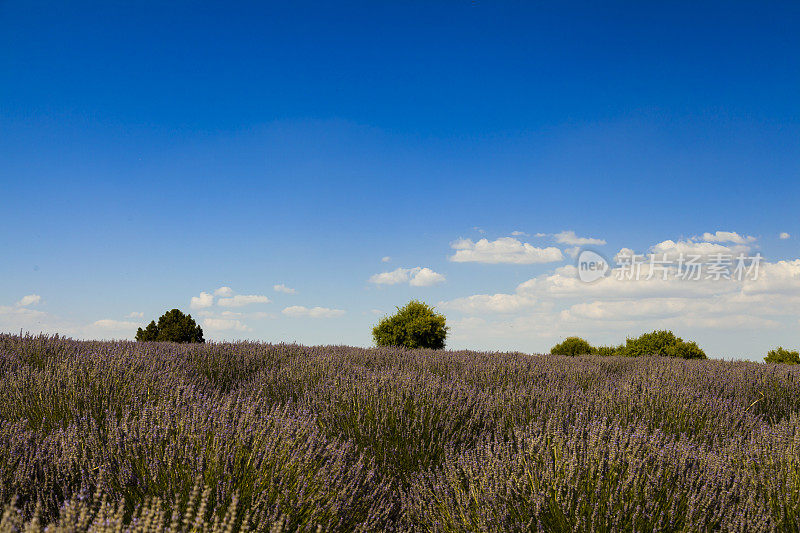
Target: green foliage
(608, 351)
(413, 326)
(662, 343)
(173, 326)
(655, 343)
(782, 355)
(688, 350)
(573, 346)
(148, 334)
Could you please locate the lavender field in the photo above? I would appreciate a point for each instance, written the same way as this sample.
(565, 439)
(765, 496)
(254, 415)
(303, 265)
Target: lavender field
(122, 436)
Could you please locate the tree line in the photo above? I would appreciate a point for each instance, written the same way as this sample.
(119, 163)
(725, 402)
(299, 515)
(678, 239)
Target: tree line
(418, 325)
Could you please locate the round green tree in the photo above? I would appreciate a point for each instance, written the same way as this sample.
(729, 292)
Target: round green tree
(173, 326)
(572, 346)
(413, 326)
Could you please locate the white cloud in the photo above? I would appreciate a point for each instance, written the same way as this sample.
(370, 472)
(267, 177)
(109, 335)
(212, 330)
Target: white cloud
(280, 287)
(625, 310)
(105, 328)
(30, 299)
(638, 300)
(781, 277)
(243, 299)
(107, 323)
(784, 236)
(426, 277)
(519, 234)
(706, 245)
(503, 250)
(491, 303)
(673, 249)
(726, 236)
(416, 277)
(737, 322)
(201, 302)
(386, 259)
(399, 275)
(564, 283)
(224, 324)
(20, 312)
(223, 291)
(468, 323)
(724, 316)
(135, 314)
(569, 237)
(297, 311)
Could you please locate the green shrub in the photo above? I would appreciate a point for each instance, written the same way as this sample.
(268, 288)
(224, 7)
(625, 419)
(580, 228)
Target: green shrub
(688, 350)
(662, 343)
(572, 346)
(608, 351)
(782, 355)
(413, 326)
(173, 326)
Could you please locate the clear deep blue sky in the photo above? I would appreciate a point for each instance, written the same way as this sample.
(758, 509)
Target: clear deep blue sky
(151, 151)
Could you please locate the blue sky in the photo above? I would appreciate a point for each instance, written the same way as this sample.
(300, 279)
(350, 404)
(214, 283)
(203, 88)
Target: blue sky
(151, 153)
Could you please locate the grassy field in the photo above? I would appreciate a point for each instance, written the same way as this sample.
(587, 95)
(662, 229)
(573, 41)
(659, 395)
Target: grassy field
(115, 436)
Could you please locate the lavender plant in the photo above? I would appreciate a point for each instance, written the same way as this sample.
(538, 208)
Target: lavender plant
(124, 436)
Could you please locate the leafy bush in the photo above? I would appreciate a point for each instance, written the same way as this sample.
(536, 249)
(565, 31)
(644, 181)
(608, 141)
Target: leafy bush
(782, 355)
(688, 350)
(608, 351)
(413, 326)
(662, 343)
(173, 326)
(572, 346)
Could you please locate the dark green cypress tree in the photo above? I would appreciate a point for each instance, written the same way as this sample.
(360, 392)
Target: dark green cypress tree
(173, 326)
